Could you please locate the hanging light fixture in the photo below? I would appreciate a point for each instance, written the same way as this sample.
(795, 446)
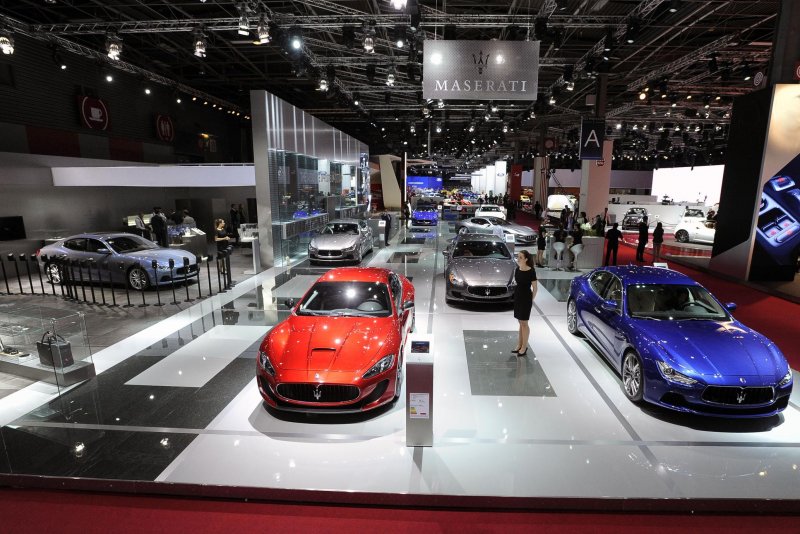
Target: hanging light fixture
(6, 42)
(552, 100)
(369, 39)
(493, 107)
(390, 76)
(505, 128)
(412, 128)
(113, 46)
(438, 128)
(263, 29)
(199, 43)
(570, 86)
(323, 84)
(440, 104)
(244, 22)
(399, 4)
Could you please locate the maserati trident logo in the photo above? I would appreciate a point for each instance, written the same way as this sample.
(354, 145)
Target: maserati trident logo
(481, 62)
(488, 291)
(318, 393)
(741, 396)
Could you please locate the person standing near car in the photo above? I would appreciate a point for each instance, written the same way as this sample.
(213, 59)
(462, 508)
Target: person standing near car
(658, 238)
(541, 246)
(643, 237)
(387, 217)
(612, 243)
(141, 227)
(524, 293)
(158, 222)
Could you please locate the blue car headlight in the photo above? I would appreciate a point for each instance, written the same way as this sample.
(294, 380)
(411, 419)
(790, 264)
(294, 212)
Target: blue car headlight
(263, 361)
(674, 376)
(163, 266)
(786, 379)
(383, 365)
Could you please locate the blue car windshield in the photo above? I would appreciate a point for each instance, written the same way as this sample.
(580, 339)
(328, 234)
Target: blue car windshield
(130, 243)
(347, 299)
(425, 208)
(673, 302)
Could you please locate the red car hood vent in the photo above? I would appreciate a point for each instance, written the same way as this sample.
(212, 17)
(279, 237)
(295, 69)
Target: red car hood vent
(338, 343)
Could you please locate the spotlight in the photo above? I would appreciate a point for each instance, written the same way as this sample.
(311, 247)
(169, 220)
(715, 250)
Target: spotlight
(58, 60)
(113, 46)
(493, 107)
(412, 128)
(438, 128)
(505, 128)
(440, 104)
(471, 128)
(356, 100)
(674, 5)
(552, 100)
(178, 99)
(632, 30)
(570, 86)
(400, 36)
(608, 43)
(369, 39)
(747, 73)
(244, 22)
(399, 4)
(533, 114)
(147, 91)
(200, 44)
(296, 40)
(263, 29)
(642, 95)
(323, 85)
(390, 76)
(619, 126)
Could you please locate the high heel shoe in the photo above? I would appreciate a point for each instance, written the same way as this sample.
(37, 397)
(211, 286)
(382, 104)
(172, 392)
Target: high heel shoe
(523, 353)
(515, 351)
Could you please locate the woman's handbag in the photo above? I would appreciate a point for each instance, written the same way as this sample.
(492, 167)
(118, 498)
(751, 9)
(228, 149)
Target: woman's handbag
(54, 350)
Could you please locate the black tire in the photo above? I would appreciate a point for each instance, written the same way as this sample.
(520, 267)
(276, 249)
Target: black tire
(572, 318)
(632, 376)
(682, 236)
(138, 279)
(53, 273)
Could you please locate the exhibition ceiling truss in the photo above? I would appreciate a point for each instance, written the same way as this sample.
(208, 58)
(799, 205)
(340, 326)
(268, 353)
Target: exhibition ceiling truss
(358, 65)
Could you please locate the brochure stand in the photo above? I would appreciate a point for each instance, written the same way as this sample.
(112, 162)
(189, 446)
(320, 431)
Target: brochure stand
(419, 390)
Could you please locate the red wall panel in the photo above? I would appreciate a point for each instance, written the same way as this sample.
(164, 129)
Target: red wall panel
(53, 142)
(125, 149)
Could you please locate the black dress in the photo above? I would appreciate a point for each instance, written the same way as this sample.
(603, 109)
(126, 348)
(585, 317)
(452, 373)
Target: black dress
(523, 299)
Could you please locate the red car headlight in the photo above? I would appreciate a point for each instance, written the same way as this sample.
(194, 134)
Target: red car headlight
(383, 365)
(263, 361)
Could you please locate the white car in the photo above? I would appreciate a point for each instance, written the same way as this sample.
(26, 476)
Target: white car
(695, 230)
(490, 210)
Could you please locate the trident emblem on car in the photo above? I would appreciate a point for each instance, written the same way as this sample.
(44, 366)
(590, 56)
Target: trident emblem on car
(488, 291)
(740, 396)
(318, 393)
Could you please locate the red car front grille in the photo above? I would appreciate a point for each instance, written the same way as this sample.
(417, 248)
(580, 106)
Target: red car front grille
(321, 393)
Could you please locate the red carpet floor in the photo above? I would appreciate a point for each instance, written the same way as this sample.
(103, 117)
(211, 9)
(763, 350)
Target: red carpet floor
(37, 511)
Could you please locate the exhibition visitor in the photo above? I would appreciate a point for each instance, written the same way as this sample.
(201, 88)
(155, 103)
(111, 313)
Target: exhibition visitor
(612, 243)
(524, 293)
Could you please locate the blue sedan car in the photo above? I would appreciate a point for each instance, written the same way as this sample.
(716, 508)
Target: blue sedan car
(125, 258)
(675, 345)
(425, 215)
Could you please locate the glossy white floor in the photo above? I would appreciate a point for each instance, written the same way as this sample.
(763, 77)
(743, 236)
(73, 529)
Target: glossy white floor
(578, 437)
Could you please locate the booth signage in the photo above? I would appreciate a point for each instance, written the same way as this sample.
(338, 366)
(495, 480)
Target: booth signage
(592, 135)
(165, 128)
(481, 70)
(94, 113)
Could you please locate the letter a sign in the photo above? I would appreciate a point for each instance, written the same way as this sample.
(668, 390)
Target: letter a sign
(592, 136)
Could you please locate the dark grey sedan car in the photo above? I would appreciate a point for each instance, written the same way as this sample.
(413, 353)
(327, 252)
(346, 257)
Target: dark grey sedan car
(341, 240)
(478, 268)
(125, 258)
(523, 235)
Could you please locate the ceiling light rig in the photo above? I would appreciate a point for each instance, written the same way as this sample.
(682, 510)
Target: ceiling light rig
(323, 85)
(369, 39)
(399, 4)
(263, 29)
(113, 46)
(390, 76)
(244, 21)
(200, 43)
(6, 42)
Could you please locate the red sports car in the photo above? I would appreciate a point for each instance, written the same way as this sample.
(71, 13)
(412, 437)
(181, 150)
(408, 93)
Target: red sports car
(341, 349)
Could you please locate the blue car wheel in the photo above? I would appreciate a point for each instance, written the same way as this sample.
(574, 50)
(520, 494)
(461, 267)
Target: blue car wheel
(137, 279)
(633, 376)
(572, 317)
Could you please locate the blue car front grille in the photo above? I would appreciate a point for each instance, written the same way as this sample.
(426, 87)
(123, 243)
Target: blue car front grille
(738, 396)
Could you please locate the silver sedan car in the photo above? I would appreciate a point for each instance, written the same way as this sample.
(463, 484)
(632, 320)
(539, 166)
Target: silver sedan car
(341, 240)
(523, 235)
(478, 268)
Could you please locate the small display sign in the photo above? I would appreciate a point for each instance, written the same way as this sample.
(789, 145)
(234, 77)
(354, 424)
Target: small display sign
(419, 405)
(422, 347)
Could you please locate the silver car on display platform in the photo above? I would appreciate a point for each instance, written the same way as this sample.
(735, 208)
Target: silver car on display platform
(125, 258)
(523, 235)
(478, 268)
(341, 240)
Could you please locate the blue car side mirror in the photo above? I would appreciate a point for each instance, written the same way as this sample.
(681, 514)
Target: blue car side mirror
(730, 306)
(610, 305)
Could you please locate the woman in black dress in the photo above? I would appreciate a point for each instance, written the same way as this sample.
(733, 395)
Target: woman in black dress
(658, 239)
(541, 244)
(525, 277)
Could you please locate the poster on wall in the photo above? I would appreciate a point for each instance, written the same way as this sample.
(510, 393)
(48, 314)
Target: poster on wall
(94, 113)
(777, 229)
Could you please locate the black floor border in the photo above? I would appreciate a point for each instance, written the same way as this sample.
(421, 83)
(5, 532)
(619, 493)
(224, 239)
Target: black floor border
(481, 503)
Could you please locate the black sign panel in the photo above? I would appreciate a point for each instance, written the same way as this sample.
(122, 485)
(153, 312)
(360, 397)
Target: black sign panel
(592, 136)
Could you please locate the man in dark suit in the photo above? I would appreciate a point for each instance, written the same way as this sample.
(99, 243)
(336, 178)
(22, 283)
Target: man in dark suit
(642, 240)
(388, 218)
(158, 222)
(612, 243)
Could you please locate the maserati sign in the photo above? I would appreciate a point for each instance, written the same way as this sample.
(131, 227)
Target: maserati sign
(480, 70)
